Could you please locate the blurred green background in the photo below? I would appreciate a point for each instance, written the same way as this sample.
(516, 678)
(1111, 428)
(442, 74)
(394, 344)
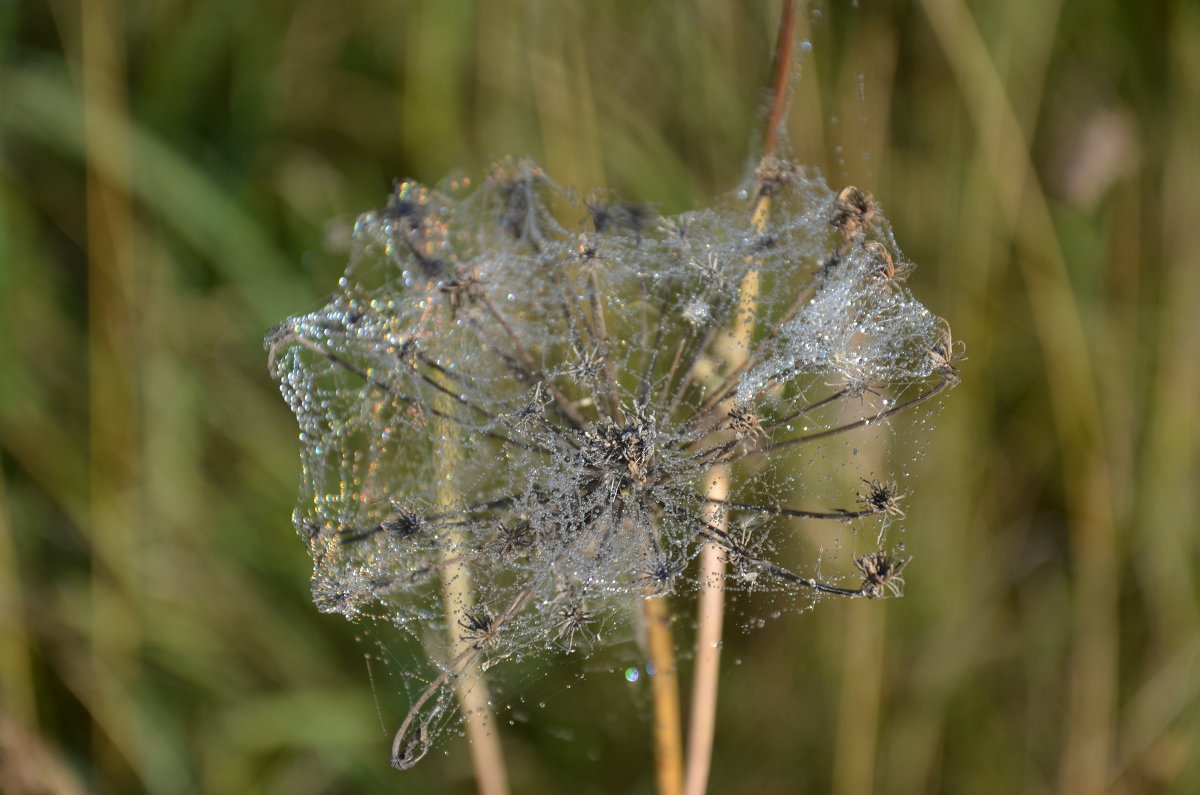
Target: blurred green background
(176, 177)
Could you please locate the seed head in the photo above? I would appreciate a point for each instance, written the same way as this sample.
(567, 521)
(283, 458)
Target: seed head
(575, 621)
(621, 454)
(534, 387)
(479, 628)
(745, 423)
(881, 497)
(856, 210)
(881, 574)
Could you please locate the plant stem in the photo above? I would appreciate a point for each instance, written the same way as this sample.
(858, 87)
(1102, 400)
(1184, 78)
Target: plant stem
(785, 47)
(487, 757)
(113, 386)
(711, 602)
(710, 617)
(668, 737)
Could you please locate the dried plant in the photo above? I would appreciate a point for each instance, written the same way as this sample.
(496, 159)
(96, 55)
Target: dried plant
(576, 354)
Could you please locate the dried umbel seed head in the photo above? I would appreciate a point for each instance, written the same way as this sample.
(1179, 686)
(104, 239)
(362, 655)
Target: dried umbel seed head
(712, 271)
(887, 266)
(403, 525)
(774, 174)
(622, 453)
(741, 553)
(587, 248)
(587, 367)
(855, 210)
(659, 579)
(479, 628)
(575, 622)
(517, 184)
(617, 216)
(514, 541)
(882, 497)
(946, 353)
(744, 422)
(521, 387)
(888, 274)
(881, 574)
(460, 290)
(533, 412)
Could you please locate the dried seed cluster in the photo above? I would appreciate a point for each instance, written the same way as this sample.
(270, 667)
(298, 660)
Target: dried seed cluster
(536, 385)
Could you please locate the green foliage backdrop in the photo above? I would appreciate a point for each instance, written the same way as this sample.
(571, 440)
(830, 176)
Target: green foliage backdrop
(176, 177)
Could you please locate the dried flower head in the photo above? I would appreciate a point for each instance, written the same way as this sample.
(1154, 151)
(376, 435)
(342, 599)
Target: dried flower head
(774, 174)
(575, 622)
(888, 273)
(881, 573)
(534, 386)
(946, 353)
(479, 628)
(856, 210)
(881, 497)
(744, 422)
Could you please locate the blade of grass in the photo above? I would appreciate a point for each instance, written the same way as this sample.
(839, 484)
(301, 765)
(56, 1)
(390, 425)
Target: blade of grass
(1090, 729)
(114, 472)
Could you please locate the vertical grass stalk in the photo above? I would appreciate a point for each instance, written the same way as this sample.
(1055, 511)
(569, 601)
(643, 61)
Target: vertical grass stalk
(113, 384)
(668, 736)
(487, 757)
(711, 574)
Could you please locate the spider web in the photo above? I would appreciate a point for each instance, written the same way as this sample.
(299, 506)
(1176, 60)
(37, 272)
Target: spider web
(511, 409)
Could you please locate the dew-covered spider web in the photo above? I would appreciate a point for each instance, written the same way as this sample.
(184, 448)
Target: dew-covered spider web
(512, 410)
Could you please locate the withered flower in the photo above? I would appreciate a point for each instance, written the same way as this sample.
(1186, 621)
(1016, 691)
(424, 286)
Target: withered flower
(534, 386)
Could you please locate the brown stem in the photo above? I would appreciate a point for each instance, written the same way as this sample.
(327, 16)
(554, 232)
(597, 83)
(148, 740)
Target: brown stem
(458, 596)
(865, 421)
(838, 514)
(668, 737)
(785, 48)
(712, 599)
(720, 537)
(600, 329)
(709, 620)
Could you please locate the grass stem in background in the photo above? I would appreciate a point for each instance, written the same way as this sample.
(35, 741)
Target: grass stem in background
(1070, 374)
